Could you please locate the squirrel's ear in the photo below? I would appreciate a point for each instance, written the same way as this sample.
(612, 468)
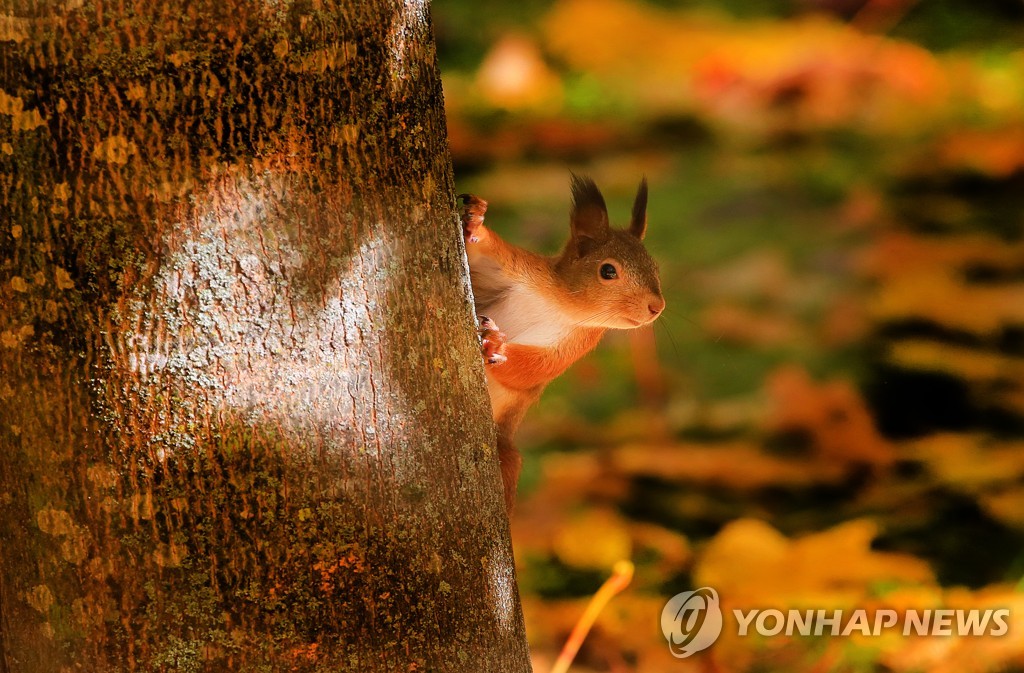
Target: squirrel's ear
(638, 223)
(589, 216)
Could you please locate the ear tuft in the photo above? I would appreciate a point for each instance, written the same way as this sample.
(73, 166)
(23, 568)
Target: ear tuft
(589, 215)
(638, 222)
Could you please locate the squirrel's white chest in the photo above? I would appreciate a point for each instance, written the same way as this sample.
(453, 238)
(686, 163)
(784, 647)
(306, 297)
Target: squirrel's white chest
(527, 317)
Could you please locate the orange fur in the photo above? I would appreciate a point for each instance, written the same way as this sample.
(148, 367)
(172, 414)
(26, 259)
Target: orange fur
(532, 366)
(524, 375)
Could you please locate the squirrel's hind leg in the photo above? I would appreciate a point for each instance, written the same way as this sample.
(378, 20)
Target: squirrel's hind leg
(511, 464)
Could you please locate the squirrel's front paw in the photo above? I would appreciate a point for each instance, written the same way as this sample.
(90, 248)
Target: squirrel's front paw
(472, 215)
(492, 341)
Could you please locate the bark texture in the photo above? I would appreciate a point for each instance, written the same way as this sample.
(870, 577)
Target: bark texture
(242, 416)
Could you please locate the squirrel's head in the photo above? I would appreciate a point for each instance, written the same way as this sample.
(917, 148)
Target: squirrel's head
(611, 278)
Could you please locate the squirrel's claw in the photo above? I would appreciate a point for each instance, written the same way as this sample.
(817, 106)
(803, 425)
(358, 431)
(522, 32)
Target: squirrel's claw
(472, 215)
(492, 341)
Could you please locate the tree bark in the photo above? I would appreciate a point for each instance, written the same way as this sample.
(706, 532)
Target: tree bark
(243, 423)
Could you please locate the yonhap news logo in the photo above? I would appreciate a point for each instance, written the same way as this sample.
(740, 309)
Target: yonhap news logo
(691, 621)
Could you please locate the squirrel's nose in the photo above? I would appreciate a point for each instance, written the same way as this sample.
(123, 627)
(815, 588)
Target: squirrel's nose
(656, 306)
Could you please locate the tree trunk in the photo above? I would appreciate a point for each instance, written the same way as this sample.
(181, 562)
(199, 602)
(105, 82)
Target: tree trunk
(243, 423)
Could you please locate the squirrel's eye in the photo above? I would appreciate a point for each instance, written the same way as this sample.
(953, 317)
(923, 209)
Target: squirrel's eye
(609, 272)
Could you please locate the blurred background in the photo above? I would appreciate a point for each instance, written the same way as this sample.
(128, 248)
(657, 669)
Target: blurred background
(831, 412)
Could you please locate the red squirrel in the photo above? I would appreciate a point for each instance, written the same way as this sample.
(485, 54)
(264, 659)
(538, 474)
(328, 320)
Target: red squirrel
(553, 310)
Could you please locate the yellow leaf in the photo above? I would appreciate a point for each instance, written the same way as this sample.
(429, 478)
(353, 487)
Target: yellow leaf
(513, 75)
(939, 297)
(749, 560)
(967, 363)
(596, 539)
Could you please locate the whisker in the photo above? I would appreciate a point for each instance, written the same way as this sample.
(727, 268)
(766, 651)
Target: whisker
(600, 315)
(681, 316)
(671, 339)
